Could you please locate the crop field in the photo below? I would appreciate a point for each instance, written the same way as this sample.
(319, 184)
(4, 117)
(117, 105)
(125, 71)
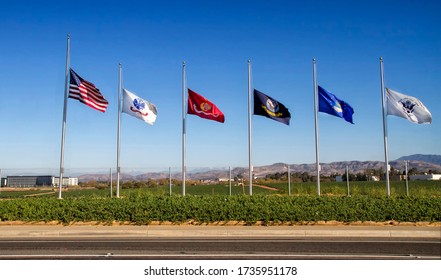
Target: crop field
(363, 188)
(146, 208)
(270, 203)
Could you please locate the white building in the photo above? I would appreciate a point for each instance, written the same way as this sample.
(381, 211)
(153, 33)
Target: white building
(67, 181)
(425, 177)
(223, 179)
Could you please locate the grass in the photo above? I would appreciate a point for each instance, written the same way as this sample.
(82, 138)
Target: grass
(371, 189)
(363, 188)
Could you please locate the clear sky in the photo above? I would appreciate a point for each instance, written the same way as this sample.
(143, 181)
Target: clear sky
(215, 38)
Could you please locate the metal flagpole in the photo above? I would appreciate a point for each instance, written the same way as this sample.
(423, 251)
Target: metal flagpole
(63, 127)
(289, 181)
(347, 179)
(250, 166)
(317, 161)
(407, 181)
(383, 104)
(184, 113)
(118, 163)
(169, 180)
(111, 186)
(229, 169)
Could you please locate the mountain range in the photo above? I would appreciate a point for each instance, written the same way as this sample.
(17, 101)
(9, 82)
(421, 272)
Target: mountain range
(435, 159)
(423, 163)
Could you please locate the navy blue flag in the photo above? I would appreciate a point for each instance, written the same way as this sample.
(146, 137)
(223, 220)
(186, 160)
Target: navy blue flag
(270, 108)
(329, 103)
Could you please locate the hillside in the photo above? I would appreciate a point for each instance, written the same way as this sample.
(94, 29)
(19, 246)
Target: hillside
(435, 159)
(326, 170)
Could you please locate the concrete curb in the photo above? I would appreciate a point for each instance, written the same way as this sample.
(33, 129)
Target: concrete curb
(189, 231)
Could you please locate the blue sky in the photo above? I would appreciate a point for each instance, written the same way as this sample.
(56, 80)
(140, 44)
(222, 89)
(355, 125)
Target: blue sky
(215, 38)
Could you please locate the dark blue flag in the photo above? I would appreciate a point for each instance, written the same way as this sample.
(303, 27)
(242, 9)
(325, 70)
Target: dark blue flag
(270, 108)
(329, 103)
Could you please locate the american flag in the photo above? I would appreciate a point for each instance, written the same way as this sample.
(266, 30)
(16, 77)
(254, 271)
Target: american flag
(86, 92)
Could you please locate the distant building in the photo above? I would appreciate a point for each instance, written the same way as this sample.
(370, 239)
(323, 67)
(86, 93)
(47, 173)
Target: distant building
(38, 181)
(2, 182)
(425, 177)
(339, 178)
(67, 181)
(397, 177)
(223, 179)
(28, 181)
(373, 178)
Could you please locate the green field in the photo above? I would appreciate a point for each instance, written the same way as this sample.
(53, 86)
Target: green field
(143, 208)
(364, 188)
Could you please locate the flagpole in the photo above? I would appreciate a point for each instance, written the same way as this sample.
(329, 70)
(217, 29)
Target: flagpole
(229, 179)
(383, 104)
(170, 180)
(347, 180)
(406, 162)
(317, 160)
(118, 145)
(289, 181)
(111, 186)
(250, 166)
(63, 127)
(184, 113)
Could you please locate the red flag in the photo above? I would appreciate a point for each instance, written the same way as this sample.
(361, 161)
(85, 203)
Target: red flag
(204, 108)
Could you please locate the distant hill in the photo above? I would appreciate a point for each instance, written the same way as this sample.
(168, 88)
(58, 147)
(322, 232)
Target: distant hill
(435, 159)
(340, 167)
(422, 163)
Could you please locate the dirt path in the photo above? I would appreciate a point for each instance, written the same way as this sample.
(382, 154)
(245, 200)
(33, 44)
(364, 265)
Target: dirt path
(266, 187)
(38, 194)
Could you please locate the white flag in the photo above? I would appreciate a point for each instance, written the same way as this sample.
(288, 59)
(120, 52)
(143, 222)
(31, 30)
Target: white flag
(407, 107)
(138, 107)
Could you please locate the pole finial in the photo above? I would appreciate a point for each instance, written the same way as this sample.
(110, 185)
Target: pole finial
(183, 63)
(381, 58)
(314, 60)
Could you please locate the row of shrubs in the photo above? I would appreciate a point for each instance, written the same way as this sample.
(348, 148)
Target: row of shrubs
(143, 209)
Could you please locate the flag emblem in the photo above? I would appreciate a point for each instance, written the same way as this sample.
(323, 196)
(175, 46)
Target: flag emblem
(337, 107)
(205, 108)
(86, 92)
(139, 105)
(272, 107)
(408, 106)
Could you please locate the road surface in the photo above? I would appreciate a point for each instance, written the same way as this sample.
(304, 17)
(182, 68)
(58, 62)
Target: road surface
(209, 248)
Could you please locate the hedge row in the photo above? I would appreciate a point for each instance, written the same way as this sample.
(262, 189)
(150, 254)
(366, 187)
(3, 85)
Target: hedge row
(143, 209)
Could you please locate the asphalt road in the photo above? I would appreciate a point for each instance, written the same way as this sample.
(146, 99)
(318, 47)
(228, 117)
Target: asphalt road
(351, 248)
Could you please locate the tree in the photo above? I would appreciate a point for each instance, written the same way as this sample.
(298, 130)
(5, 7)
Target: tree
(412, 171)
(151, 183)
(163, 182)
